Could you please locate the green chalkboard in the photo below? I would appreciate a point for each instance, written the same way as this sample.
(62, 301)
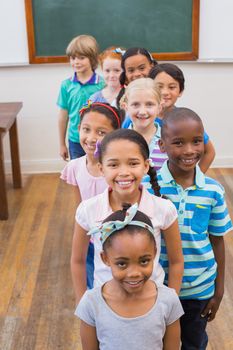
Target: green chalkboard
(168, 28)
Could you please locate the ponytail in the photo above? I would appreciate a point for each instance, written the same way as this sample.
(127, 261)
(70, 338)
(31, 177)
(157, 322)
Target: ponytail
(119, 97)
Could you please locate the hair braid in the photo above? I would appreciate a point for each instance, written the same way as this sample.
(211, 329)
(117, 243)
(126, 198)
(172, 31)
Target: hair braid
(153, 180)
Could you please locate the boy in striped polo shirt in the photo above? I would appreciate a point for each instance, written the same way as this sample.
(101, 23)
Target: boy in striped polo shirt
(203, 221)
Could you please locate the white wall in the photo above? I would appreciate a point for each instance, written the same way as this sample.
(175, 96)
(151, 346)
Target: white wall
(208, 91)
(13, 34)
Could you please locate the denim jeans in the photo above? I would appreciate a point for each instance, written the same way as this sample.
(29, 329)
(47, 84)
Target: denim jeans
(75, 150)
(193, 326)
(90, 266)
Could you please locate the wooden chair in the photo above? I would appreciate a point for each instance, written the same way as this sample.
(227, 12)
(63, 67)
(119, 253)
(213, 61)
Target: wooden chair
(8, 114)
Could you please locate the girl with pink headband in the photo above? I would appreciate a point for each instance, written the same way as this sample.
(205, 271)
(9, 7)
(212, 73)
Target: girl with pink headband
(97, 120)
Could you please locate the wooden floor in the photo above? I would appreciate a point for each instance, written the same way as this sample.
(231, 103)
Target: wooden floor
(36, 297)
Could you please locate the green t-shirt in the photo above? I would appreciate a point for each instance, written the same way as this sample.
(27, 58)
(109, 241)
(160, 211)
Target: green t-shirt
(72, 96)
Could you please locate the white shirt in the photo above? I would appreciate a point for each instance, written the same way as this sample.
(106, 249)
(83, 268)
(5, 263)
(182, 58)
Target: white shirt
(90, 213)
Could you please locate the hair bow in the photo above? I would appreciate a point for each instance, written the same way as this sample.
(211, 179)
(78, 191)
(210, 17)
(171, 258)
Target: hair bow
(84, 107)
(151, 163)
(107, 228)
(119, 50)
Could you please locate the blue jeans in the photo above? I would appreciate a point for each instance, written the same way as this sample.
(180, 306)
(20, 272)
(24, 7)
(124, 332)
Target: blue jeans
(75, 150)
(90, 265)
(193, 326)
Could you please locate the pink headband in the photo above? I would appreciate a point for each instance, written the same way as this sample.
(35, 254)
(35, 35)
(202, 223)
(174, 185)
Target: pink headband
(90, 103)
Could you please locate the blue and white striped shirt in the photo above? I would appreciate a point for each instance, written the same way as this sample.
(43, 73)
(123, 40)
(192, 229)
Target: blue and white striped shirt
(202, 212)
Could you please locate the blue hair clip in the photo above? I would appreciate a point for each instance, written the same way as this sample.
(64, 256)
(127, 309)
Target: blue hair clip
(119, 50)
(151, 57)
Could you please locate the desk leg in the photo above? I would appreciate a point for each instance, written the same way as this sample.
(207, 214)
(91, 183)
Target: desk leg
(17, 182)
(3, 197)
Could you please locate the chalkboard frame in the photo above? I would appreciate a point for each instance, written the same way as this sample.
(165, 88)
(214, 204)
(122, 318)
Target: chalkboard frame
(160, 56)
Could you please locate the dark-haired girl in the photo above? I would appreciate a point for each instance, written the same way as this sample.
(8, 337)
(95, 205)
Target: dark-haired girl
(130, 311)
(124, 160)
(136, 63)
(97, 120)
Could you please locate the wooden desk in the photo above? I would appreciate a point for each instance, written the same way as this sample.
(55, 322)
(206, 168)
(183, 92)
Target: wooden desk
(8, 114)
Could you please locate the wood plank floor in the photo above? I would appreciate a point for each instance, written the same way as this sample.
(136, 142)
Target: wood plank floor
(36, 297)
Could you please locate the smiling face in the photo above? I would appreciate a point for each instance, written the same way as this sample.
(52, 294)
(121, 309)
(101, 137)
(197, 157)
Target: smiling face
(130, 257)
(169, 88)
(183, 142)
(137, 66)
(81, 64)
(111, 72)
(94, 126)
(124, 167)
(143, 107)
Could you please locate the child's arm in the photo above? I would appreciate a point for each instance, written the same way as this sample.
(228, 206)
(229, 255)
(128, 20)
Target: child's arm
(78, 260)
(88, 336)
(77, 195)
(171, 339)
(208, 157)
(68, 174)
(175, 256)
(219, 253)
(62, 126)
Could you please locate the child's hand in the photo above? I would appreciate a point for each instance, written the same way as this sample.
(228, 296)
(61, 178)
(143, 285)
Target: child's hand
(64, 153)
(211, 308)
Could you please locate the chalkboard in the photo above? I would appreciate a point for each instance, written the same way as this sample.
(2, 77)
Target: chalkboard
(168, 28)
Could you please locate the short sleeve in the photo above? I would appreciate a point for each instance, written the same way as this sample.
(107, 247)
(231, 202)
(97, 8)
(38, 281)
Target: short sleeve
(126, 123)
(206, 138)
(220, 222)
(170, 215)
(176, 310)
(96, 97)
(85, 310)
(81, 216)
(68, 174)
(62, 97)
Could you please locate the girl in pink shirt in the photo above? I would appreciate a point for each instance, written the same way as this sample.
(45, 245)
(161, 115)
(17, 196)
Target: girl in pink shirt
(97, 120)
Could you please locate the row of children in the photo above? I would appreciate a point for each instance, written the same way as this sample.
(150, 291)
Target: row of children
(177, 240)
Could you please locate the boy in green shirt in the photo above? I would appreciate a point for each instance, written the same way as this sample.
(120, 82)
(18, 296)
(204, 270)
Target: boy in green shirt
(75, 92)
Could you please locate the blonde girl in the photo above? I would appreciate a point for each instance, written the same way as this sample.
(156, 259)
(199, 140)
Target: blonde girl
(143, 104)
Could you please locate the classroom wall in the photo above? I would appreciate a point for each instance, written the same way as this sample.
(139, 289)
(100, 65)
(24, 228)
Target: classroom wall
(208, 91)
